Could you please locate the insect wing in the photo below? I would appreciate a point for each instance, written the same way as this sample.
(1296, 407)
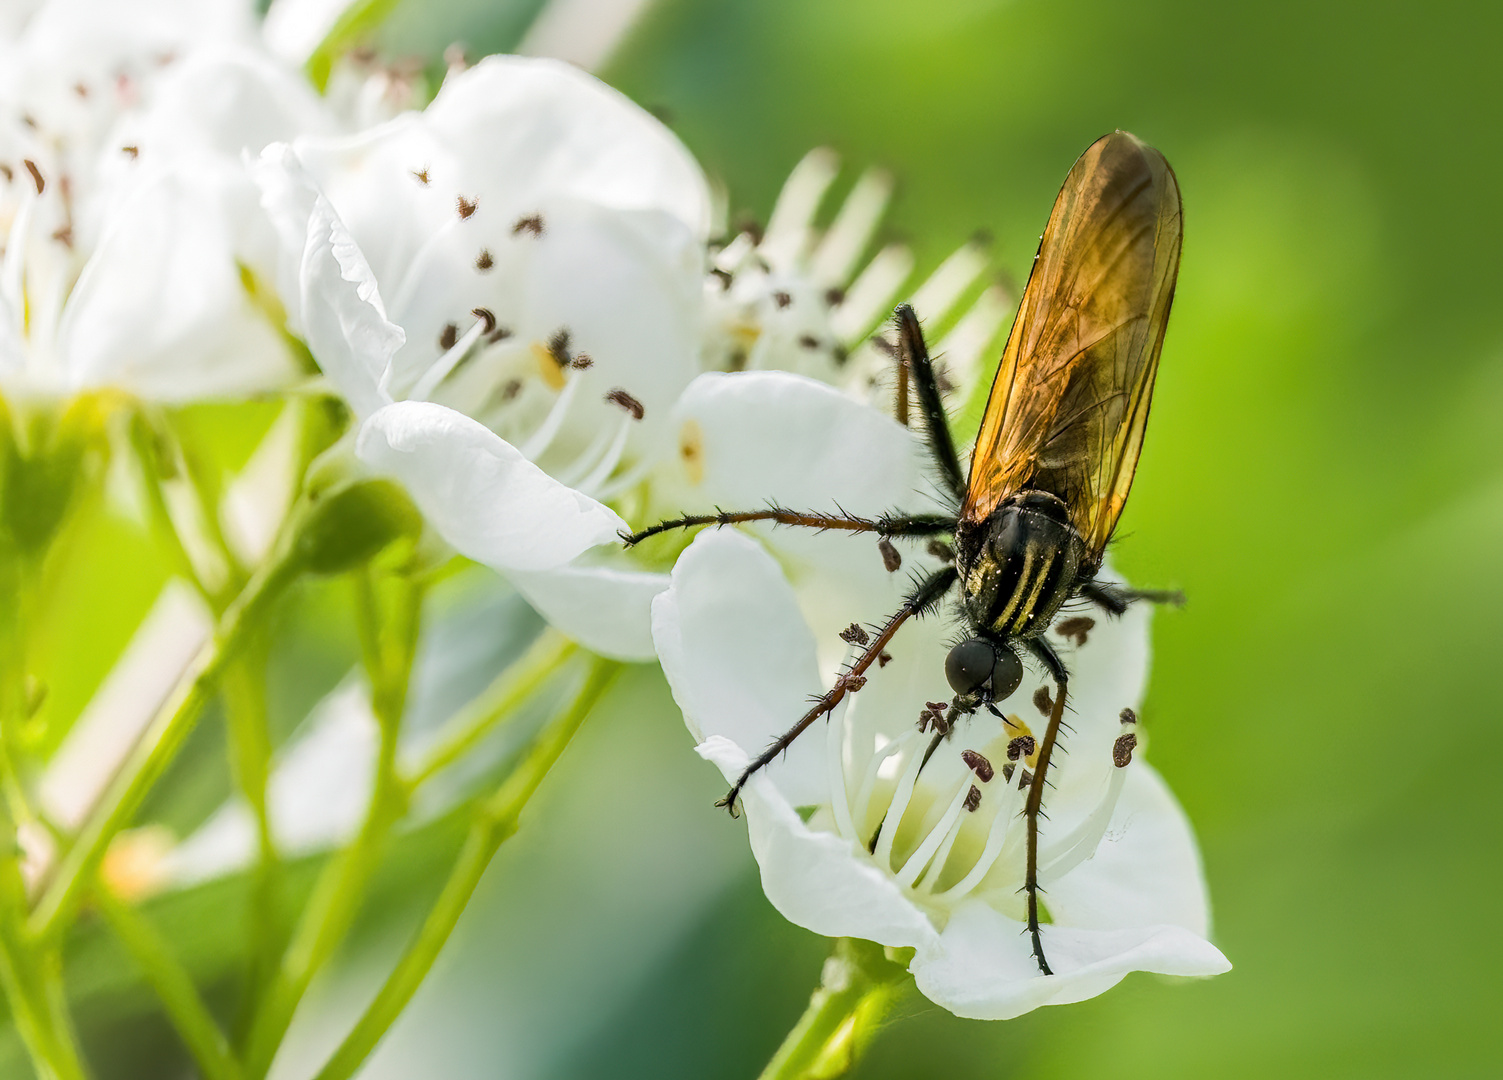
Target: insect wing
(1070, 401)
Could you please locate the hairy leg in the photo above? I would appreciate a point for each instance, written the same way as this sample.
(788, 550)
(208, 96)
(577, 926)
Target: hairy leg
(886, 525)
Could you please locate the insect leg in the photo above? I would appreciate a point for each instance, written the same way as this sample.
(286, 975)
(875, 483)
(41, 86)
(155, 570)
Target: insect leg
(886, 525)
(1115, 600)
(915, 355)
(1046, 655)
(925, 597)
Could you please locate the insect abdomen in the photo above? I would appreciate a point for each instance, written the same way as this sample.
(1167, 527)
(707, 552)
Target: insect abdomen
(1020, 566)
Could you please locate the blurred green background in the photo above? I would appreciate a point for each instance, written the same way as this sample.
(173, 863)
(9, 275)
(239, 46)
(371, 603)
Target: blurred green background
(1323, 476)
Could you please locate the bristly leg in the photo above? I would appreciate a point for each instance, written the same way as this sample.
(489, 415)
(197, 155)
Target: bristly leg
(886, 525)
(1050, 659)
(1114, 600)
(915, 359)
(924, 597)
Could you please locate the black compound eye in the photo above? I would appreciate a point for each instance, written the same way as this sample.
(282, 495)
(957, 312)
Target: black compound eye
(976, 663)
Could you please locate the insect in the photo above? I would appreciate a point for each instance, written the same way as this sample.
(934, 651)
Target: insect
(1053, 462)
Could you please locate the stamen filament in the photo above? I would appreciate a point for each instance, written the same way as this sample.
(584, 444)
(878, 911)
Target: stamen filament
(919, 860)
(444, 366)
(852, 229)
(1007, 813)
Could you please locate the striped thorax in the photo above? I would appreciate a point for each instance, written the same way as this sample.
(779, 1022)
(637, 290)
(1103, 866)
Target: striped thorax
(1019, 566)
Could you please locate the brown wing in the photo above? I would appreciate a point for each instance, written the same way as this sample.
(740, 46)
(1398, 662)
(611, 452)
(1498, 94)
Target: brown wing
(1070, 402)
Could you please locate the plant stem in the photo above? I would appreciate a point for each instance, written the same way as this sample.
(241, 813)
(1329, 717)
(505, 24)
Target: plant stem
(496, 702)
(495, 820)
(858, 988)
(197, 1027)
(157, 747)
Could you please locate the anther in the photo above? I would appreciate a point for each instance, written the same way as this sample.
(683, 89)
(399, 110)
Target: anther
(972, 799)
(1008, 770)
(1020, 747)
(581, 362)
(36, 174)
(7, 172)
(421, 176)
(890, 557)
(1026, 781)
(80, 89)
(531, 223)
(808, 341)
(884, 658)
(620, 397)
(1122, 749)
(483, 261)
(782, 299)
(131, 152)
(466, 207)
(1127, 716)
(722, 276)
(834, 295)
(448, 337)
(850, 682)
(854, 635)
(500, 333)
(558, 347)
(511, 389)
(485, 316)
(978, 765)
(1075, 629)
(1042, 701)
(940, 550)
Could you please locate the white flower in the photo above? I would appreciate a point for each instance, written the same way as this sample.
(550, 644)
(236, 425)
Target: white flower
(128, 221)
(857, 836)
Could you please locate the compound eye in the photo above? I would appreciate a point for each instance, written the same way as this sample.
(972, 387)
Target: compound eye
(970, 665)
(1007, 673)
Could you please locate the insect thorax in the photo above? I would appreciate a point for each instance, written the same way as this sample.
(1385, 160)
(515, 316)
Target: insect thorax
(1019, 565)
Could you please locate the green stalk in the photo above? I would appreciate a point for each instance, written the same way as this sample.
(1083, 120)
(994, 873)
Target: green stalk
(158, 746)
(195, 1025)
(858, 989)
(495, 821)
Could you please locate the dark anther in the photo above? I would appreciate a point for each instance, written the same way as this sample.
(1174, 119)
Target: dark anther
(1127, 716)
(1027, 780)
(884, 658)
(558, 347)
(929, 718)
(1007, 771)
(972, 799)
(64, 235)
(834, 295)
(885, 346)
(938, 706)
(421, 176)
(466, 207)
(511, 389)
(1042, 701)
(500, 333)
(36, 174)
(808, 341)
(81, 89)
(978, 765)
(485, 316)
(131, 152)
(940, 550)
(839, 352)
(5, 171)
(722, 276)
(751, 228)
(581, 362)
(532, 223)
(1075, 629)
(620, 397)
(850, 682)
(483, 261)
(1020, 747)
(854, 635)
(781, 299)
(1122, 749)
(448, 337)
(890, 557)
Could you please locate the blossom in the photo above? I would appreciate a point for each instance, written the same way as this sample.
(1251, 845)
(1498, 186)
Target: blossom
(857, 835)
(130, 226)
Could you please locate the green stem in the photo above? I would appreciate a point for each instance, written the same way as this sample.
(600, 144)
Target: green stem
(157, 747)
(197, 1027)
(495, 820)
(497, 702)
(857, 990)
(388, 643)
(356, 20)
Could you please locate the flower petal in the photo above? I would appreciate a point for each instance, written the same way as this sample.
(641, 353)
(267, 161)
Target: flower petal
(984, 969)
(602, 603)
(479, 492)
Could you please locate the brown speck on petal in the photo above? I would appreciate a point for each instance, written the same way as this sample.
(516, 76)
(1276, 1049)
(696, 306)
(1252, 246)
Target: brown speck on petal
(421, 176)
(620, 397)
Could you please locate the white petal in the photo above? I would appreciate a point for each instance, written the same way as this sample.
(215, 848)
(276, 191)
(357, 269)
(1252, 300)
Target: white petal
(601, 603)
(739, 657)
(1145, 871)
(343, 318)
(479, 492)
(983, 968)
(816, 879)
